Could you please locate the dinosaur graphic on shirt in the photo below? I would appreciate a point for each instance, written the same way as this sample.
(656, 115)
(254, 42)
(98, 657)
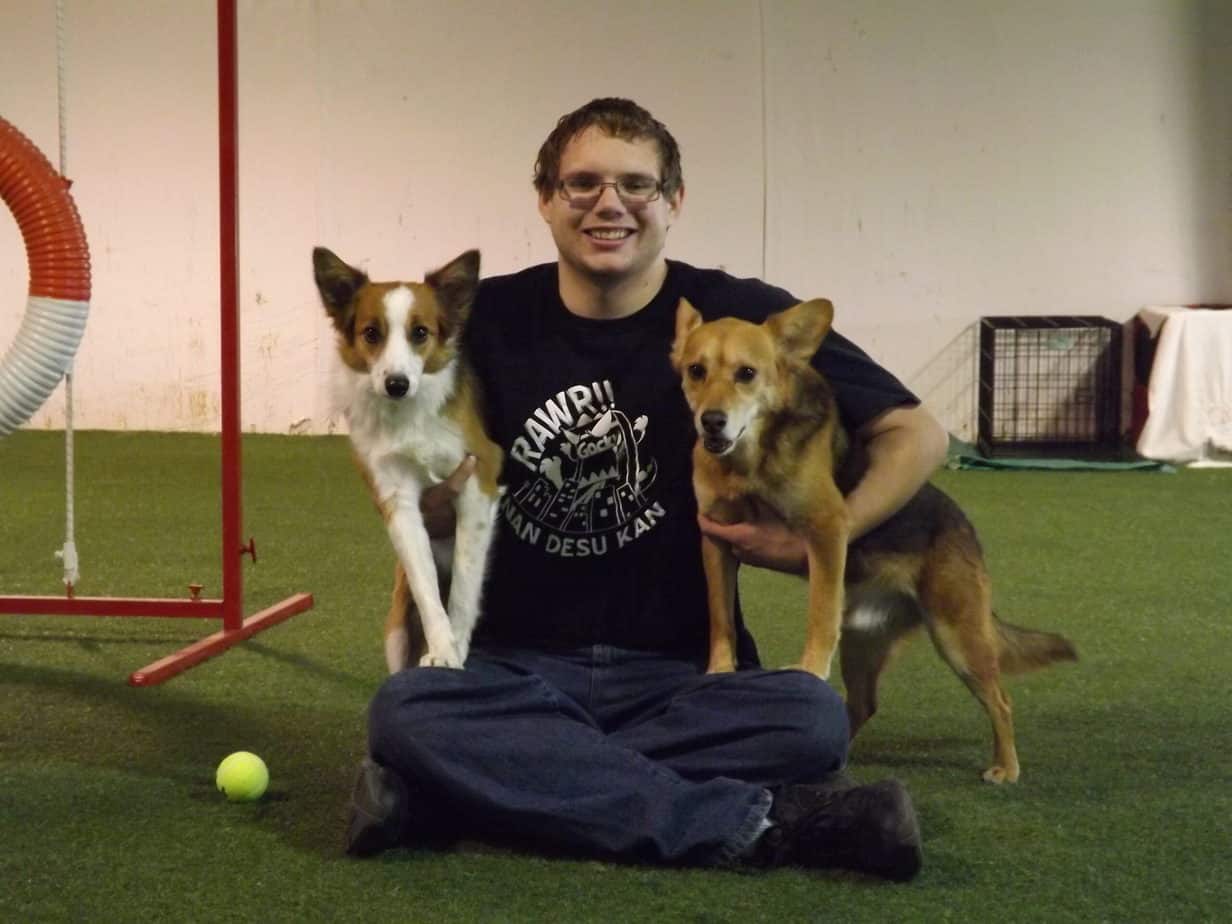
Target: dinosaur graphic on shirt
(589, 475)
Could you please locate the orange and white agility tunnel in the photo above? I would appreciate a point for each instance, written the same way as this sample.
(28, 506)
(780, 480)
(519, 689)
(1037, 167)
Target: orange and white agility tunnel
(59, 262)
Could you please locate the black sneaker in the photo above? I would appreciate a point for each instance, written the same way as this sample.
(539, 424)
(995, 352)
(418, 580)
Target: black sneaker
(870, 829)
(378, 811)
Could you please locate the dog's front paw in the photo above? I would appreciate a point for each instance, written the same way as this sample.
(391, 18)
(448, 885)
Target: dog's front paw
(817, 665)
(432, 659)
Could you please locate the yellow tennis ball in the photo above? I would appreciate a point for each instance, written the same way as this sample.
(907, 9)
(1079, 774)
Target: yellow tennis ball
(242, 776)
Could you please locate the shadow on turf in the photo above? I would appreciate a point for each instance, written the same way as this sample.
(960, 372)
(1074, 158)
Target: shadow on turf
(362, 685)
(74, 708)
(95, 643)
(948, 753)
(80, 720)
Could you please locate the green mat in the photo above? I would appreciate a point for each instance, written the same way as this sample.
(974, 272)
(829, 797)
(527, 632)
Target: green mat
(964, 455)
(108, 810)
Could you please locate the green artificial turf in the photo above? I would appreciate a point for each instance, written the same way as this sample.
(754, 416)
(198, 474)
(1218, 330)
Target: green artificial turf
(108, 810)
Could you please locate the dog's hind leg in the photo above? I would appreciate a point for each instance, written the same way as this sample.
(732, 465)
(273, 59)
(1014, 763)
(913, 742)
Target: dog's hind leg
(874, 627)
(397, 639)
(957, 598)
(862, 657)
(404, 640)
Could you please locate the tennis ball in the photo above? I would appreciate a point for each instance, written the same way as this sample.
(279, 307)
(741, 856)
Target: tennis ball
(242, 776)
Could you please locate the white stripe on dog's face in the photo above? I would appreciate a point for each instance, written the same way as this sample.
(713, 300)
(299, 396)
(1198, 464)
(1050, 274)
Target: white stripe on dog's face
(397, 358)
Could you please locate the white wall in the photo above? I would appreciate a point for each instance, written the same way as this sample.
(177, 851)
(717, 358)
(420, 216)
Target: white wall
(922, 162)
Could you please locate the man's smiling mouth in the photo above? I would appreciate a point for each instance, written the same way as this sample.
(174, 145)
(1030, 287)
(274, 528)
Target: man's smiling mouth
(609, 234)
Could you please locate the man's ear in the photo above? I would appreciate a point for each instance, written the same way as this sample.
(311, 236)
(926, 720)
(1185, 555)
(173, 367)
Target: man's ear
(687, 320)
(337, 282)
(801, 329)
(675, 202)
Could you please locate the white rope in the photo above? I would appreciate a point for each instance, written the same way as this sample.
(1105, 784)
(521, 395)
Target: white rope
(60, 87)
(69, 552)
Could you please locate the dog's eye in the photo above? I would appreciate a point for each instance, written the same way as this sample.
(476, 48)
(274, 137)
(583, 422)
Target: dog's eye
(746, 374)
(419, 333)
(371, 334)
(696, 371)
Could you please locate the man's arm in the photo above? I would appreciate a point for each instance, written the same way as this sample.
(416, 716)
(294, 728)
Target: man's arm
(905, 446)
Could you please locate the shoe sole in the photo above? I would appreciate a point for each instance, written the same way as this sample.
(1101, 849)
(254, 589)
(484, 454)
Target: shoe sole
(377, 803)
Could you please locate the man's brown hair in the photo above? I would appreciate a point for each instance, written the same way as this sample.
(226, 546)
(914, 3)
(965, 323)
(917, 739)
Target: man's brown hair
(619, 118)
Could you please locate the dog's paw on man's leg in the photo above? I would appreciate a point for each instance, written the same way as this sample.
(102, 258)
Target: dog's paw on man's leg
(448, 658)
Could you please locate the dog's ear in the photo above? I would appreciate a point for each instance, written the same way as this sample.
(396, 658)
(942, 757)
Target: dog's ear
(687, 320)
(337, 284)
(801, 329)
(456, 283)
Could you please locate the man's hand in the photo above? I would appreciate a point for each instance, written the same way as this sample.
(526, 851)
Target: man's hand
(436, 504)
(762, 540)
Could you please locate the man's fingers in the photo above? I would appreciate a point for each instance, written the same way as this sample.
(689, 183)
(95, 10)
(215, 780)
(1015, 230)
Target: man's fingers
(436, 503)
(731, 533)
(457, 478)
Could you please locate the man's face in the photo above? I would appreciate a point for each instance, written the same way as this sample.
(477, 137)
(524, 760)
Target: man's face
(610, 241)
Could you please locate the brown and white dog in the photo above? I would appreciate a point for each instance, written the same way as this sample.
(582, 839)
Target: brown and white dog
(768, 432)
(414, 412)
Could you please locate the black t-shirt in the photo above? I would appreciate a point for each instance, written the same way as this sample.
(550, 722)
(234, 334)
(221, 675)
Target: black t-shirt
(597, 539)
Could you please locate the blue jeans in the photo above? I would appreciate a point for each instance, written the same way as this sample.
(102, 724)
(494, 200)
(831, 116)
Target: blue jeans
(602, 751)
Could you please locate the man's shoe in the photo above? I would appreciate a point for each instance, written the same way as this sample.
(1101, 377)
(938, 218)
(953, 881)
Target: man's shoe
(870, 829)
(378, 810)
(835, 781)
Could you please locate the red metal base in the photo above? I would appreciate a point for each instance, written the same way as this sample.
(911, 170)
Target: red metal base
(170, 666)
(190, 608)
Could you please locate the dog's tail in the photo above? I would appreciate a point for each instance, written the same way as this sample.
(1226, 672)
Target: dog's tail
(1029, 649)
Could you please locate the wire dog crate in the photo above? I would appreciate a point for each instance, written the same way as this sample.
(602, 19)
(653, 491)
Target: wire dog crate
(1050, 386)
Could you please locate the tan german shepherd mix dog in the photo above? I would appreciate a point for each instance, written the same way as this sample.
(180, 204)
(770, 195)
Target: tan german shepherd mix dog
(769, 432)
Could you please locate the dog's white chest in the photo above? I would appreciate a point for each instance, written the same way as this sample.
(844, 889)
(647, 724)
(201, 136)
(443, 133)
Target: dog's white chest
(426, 453)
(410, 440)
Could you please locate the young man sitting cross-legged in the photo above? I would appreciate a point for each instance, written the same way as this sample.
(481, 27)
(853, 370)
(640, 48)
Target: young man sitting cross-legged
(584, 720)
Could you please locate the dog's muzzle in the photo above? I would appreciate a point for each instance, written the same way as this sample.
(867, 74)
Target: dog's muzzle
(714, 432)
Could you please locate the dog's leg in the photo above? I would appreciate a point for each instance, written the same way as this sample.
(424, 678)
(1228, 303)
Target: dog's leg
(414, 550)
(476, 522)
(720, 568)
(404, 641)
(876, 622)
(863, 654)
(957, 600)
(397, 636)
(826, 542)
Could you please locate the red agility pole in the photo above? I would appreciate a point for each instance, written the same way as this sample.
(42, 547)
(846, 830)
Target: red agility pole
(54, 195)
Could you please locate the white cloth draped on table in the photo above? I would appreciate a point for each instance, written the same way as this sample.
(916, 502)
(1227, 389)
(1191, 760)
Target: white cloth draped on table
(1190, 392)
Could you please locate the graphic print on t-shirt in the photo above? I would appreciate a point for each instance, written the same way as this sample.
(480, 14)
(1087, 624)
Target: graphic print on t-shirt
(586, 491)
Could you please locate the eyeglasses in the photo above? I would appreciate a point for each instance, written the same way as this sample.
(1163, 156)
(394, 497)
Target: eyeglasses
(582, 190)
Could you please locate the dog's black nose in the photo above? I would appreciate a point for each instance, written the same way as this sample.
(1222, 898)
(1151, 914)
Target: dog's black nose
(713, 422)
(396, 386)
